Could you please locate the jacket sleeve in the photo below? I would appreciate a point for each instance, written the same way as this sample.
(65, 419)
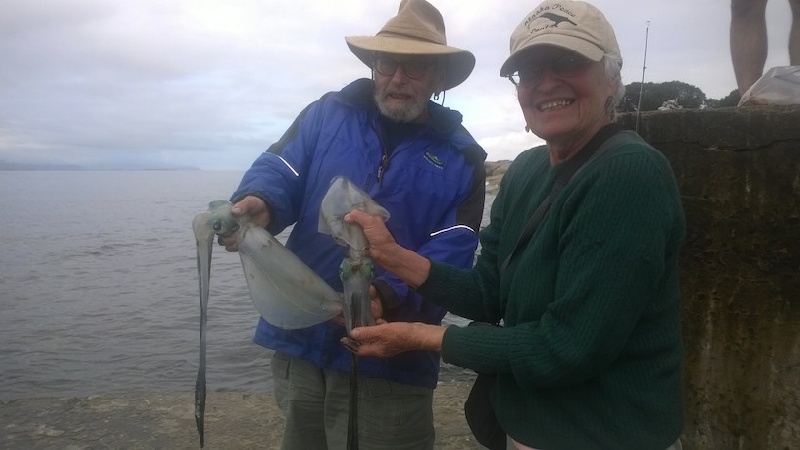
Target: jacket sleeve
(454, 242)
(277, 175)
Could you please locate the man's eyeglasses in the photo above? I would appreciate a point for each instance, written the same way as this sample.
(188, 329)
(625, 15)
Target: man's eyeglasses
(566, 66)
(414, 69)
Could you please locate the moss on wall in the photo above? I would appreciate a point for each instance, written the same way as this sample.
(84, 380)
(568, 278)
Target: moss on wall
(739, 175)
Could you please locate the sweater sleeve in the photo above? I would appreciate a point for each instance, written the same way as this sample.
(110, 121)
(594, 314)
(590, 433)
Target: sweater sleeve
(613, 233)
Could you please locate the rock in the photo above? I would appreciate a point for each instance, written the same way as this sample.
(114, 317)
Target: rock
(48, 431)
(494, 174)
(234, 420)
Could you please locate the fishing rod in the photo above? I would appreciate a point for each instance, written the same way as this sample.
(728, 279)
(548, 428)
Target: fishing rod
(644, 67)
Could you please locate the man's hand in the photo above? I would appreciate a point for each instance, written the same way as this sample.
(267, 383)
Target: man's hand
(374, 303)
(257, 213)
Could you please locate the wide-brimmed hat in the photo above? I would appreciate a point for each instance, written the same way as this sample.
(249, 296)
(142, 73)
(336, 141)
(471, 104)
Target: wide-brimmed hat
(418, 29)
(572, 25)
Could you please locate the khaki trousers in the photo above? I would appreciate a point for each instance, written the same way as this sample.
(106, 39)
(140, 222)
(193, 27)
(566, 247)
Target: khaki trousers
(315, 403)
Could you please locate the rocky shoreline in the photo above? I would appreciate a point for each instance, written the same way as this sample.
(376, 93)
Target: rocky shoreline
(494, 174)
(234, 420)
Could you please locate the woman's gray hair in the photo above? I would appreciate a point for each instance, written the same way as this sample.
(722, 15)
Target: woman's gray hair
(613, 65)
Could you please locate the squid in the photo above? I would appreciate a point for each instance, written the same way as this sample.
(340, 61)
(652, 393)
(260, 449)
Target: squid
(356, 271)
(284, 291)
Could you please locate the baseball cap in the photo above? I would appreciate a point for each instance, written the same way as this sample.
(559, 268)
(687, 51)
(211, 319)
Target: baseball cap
(572, 25)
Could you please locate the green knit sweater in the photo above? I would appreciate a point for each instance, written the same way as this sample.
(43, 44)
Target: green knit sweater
(590, 352)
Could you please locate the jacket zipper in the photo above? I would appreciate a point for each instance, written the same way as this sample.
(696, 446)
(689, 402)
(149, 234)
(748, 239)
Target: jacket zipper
(383, 166)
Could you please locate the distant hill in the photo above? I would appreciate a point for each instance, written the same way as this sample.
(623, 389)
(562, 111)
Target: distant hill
(27, 166)
(7, 165)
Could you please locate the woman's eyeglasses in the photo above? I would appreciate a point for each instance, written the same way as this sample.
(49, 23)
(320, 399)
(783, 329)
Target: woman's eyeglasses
(566, 66)
(414, 69)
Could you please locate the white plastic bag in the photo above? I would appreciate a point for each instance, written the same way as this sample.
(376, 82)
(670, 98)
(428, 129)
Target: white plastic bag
(779, 86)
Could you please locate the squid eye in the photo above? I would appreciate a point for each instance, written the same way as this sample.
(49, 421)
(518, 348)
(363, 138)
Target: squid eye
(224, 226)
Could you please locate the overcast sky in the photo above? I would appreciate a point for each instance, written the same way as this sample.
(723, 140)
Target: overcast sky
(211, 84)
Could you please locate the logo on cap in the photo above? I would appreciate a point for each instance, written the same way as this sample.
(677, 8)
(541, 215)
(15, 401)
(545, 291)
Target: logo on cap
(550, 13)
(556, 18)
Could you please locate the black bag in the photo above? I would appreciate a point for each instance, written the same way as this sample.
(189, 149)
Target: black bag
(480, 415)
(479, 412)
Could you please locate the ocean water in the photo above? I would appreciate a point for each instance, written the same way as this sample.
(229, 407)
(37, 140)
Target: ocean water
(99, 287)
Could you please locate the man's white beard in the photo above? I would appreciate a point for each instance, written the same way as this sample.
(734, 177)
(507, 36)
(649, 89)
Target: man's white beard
(405, 113)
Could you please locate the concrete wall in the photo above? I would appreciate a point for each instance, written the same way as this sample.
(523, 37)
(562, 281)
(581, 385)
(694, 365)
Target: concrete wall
(739, 174)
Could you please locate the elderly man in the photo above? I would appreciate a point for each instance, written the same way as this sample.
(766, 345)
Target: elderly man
(415, 159)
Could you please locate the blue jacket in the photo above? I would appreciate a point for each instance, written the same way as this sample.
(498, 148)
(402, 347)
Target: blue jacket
(432, 183)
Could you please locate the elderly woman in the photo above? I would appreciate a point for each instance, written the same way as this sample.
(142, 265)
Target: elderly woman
(589, 352)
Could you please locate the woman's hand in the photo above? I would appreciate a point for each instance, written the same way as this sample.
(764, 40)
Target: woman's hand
(380, 240)
(412, 268)
(389, 339)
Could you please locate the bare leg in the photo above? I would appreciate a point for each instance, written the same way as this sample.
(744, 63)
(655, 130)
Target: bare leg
(794, 34)
(748, 41)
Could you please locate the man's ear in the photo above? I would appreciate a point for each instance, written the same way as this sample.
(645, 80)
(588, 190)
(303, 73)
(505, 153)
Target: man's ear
(441, 76)
(438, 85)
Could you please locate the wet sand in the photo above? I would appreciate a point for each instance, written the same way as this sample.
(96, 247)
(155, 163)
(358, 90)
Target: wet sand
(233, 420)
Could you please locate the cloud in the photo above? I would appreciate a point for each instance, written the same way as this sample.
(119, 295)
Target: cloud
(212, 84)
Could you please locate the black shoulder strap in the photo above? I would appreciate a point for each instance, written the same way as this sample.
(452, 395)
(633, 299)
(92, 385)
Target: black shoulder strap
(619, 138)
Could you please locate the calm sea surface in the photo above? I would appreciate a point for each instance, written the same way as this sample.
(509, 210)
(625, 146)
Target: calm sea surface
(99, 288)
